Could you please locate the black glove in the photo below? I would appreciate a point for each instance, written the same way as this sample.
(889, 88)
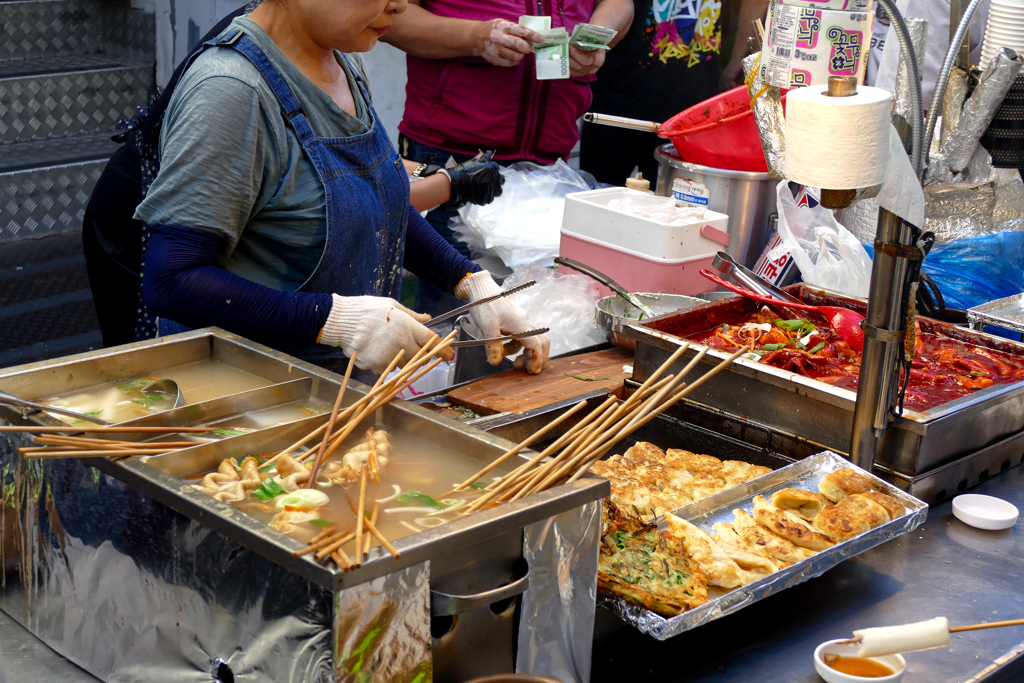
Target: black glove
(477, 181)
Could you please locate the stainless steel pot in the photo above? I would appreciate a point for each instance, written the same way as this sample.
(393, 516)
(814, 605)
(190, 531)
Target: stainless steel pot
(747, 198)
(611, 312)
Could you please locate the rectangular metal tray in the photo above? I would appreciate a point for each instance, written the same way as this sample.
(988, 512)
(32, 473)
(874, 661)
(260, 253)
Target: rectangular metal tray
(1007, 312)
(805, 474)
(917, 442)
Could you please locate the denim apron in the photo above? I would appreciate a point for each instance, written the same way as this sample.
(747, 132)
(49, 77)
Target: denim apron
(367, 202)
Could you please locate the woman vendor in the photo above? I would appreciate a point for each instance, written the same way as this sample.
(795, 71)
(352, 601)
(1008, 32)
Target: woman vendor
(281, 210)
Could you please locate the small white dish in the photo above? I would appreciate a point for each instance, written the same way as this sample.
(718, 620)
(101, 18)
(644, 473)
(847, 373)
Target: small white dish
(832, 647)
(984, 512)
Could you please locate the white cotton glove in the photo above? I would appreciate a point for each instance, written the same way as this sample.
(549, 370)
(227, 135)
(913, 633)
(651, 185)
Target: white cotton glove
(503, 317)
(377, 328)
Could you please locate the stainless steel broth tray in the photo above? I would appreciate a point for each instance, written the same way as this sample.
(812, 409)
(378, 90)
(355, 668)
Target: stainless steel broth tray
(804, 474)
(134, 575)
(916, 443)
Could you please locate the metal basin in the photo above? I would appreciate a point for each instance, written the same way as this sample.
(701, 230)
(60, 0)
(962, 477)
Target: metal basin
(611, 309)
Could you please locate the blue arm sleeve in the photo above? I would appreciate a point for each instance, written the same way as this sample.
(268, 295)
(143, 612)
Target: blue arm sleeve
(182, 282)
(431, 258)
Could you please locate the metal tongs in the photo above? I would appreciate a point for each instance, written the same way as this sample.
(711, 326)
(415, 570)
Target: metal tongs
(462, 309)
(506, 338)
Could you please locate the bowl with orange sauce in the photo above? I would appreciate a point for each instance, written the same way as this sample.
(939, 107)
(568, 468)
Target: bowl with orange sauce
(838, 663)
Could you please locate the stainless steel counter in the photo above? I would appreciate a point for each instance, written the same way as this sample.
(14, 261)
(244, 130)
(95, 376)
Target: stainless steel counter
(945, 568)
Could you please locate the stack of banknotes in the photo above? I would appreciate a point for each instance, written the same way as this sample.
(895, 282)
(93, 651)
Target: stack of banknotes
(553, 52)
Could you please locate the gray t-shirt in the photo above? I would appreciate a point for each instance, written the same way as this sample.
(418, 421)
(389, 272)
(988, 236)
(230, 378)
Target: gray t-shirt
(231, 166)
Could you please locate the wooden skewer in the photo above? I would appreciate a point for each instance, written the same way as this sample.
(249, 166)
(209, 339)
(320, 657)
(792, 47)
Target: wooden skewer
(383, 541)
(311, 482)
(515, 449)
(369, 537)
(360, 517)
(107, 430)
(341, 559)
(958, 629)
(323, 534)
(44, 455)
(318, 544)
(329, 545)
(102, 443)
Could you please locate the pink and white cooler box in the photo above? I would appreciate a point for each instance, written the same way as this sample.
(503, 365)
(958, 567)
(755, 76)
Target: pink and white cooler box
(641, 254)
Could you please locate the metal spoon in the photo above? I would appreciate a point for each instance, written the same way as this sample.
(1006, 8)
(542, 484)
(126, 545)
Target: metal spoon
(845, 322)
(167, 387)
(11, 400)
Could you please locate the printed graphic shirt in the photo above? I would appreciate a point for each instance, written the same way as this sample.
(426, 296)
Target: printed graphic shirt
(669, 60)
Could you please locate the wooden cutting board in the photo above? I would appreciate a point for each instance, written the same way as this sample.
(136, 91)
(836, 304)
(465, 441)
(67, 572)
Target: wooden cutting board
(514, 391)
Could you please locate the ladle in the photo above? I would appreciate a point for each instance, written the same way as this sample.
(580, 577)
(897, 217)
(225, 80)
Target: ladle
(607, 282)
(167, 387)
(845, 322)
(22, 403)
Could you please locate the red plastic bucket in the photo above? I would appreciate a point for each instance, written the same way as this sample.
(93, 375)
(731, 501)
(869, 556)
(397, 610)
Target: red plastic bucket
(720, 133)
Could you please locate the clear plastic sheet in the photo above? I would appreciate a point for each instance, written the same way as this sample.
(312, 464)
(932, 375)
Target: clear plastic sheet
(805, 474)
(769, 116)
(524, 224)
(980, 109)
(563, 302)
(556, 630)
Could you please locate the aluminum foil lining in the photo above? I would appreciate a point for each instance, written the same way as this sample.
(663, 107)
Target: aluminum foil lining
(957, 210)
(1007, 312)
(981, 108)
(953, 102)
(382, 629)
(769, 116)
(1009, 211)
(556, 629)
(806, 474)
(177, 599)
(918, 29)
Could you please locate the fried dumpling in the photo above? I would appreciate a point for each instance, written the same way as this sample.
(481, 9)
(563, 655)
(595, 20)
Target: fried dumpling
(720, 569)
(776, 546)
(850, 517)
(843, 483)
(892, 505)
(801, 502)
(743, 551)
(789, 526)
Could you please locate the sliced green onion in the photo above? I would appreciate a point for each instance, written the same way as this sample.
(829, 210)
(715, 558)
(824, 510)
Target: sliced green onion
(479, 485)
(268, 489)
(320, 522)
(773, 347)
(792, 325)
(818, 347)
(798, 344)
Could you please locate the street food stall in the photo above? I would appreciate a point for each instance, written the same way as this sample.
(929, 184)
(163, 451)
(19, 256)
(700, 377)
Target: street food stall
(743, 487)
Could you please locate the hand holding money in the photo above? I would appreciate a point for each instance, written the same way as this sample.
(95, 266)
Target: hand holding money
(560, 55)
(504, 43)
(583, 63)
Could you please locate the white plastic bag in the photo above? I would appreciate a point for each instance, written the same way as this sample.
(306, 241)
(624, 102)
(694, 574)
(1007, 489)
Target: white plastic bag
(660, 209)
(564, 302)
(523, 224)
(827, 254)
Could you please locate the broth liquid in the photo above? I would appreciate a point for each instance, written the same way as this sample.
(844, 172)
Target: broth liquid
(856, 666)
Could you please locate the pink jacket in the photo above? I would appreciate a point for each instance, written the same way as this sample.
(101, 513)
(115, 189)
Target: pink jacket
(466, 105)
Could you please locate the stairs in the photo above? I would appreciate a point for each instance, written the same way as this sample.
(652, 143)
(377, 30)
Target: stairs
(69, 69)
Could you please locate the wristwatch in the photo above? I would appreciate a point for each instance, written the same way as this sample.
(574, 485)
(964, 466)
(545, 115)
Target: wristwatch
(425, 170)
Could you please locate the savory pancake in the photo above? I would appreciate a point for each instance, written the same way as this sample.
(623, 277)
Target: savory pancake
(712, 560)
(693, 462)
(893, 506)
(843, 483)
(789, 526)
(776, 546)
(801, 502)
(647, 567)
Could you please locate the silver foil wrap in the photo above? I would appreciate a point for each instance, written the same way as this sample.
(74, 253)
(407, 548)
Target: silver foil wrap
(133, 591)
(769, 116)
(953, 101)
(1009, 190)
(382, 628)
(556, 630)
(957, 210)
(918, 29)
(806, 474)
(980, 109)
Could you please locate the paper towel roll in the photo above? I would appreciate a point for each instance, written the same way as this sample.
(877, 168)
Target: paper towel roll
(805, 45)
(839, 143)
(848, 5)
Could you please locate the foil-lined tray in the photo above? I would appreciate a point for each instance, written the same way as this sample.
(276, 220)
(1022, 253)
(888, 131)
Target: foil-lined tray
(718, 508)
(1007, 312)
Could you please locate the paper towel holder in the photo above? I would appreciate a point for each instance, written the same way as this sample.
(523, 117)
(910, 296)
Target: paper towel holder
(844, 86)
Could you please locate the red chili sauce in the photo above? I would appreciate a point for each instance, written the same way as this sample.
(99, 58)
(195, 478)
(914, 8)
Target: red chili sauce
(943, 369)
